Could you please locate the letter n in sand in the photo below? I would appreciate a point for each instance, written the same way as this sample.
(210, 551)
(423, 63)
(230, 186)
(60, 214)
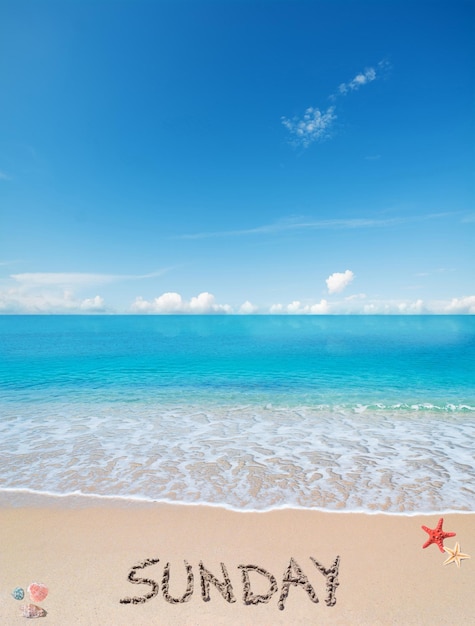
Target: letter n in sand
(225, 588)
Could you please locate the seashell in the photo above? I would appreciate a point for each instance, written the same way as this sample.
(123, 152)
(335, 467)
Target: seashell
(18, 593)
(31, 610)
(37, 591)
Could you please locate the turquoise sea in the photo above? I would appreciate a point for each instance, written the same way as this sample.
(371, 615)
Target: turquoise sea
(367, 413)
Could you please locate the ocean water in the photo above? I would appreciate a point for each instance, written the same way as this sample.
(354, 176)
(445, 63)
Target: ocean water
(352, 413)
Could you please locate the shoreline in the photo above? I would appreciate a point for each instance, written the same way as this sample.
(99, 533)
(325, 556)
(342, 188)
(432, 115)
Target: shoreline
(86, 556)
(26, 498)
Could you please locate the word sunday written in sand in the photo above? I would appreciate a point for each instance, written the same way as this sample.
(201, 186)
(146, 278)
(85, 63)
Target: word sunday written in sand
(293, 577)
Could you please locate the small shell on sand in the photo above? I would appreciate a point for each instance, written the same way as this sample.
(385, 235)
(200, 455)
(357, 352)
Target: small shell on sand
(18, 593)
(31, 610)
(37, 591)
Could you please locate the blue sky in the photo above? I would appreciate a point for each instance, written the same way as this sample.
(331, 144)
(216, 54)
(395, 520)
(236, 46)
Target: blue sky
(237, 156)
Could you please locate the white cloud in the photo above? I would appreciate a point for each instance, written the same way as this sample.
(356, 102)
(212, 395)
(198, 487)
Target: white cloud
(456, 306)
(465, 305)
(93, 304)
(294, 307)
(172, 302)
(321, 308)
(204, 303)
(297, 308)
(169, 302)
(356, 296)
(361, 305)
(4, 176)
(44, 293)
(358, 81)
(313, 126)
(412, 307)
(17, 301)
(339, 280)
(58, 293)
(247, 308)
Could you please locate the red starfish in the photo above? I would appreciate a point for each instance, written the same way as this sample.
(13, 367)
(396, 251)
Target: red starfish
(436, 535)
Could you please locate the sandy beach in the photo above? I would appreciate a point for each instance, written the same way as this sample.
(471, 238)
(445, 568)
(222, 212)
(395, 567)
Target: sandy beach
(282, 567)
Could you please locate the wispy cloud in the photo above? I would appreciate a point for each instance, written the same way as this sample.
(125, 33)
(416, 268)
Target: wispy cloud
(440, 270)
(4, 176)
(296, 224)
(71, 279)
(61, 279)
(315, 124)
(358, 81)
(373, 157)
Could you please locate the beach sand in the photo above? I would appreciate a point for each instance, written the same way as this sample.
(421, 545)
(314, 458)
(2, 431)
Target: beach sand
(84, 554)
